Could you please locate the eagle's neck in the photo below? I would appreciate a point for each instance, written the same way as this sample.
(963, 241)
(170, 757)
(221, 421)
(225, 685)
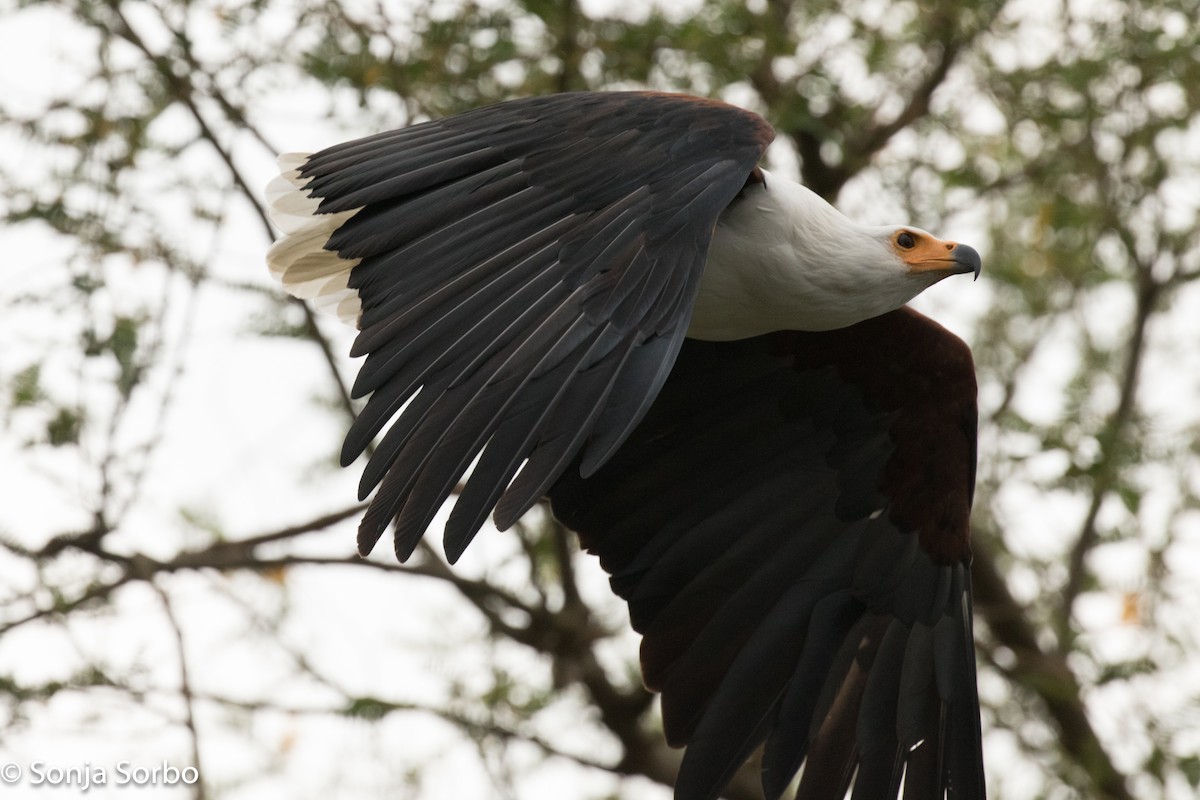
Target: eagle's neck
(783, 258)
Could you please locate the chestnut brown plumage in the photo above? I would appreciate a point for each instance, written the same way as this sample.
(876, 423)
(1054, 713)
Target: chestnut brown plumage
(789, 527)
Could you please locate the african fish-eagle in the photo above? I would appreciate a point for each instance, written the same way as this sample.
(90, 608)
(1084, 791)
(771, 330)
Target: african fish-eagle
(710, 373)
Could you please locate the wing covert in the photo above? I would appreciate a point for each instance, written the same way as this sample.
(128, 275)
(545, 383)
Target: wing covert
(789, 525)
(522, 276)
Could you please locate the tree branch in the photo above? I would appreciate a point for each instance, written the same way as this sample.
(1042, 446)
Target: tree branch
(1112, 445)
(1046, 674)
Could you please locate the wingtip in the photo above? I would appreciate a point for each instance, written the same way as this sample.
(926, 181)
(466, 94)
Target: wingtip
(371, 530)
(405, 542)
(368, 537)
(511, 507)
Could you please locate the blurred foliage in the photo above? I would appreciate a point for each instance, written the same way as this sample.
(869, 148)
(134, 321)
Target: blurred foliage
(1063, 137)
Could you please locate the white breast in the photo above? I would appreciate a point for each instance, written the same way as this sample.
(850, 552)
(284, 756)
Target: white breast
(782, 258)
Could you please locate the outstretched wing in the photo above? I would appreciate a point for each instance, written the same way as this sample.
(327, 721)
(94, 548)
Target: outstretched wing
(522, 276)
(789, 525)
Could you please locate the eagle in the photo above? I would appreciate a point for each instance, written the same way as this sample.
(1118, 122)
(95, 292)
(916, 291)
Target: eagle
(601, 299)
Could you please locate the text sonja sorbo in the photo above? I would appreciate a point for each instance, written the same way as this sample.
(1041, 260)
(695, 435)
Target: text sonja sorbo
(86, 775)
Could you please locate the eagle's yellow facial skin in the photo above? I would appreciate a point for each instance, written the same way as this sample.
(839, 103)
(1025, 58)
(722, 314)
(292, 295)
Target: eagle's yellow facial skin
(925, 254)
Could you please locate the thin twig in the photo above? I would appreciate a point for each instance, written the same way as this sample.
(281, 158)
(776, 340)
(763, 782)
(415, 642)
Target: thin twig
(185, 689)
(184, 90)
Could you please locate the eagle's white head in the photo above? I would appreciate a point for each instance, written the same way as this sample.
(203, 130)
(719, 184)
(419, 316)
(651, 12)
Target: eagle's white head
(784, 259)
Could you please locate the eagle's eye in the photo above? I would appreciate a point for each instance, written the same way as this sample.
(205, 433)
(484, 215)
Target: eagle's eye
(906, 240)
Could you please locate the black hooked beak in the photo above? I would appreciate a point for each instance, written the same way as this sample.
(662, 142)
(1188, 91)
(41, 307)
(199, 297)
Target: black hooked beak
(968, 260)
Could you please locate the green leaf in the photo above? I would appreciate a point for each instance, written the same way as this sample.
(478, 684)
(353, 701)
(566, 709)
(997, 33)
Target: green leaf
(27, 387)
(65, 428)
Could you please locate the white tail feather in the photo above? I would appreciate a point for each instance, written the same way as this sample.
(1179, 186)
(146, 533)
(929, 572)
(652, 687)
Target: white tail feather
(299, 259)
